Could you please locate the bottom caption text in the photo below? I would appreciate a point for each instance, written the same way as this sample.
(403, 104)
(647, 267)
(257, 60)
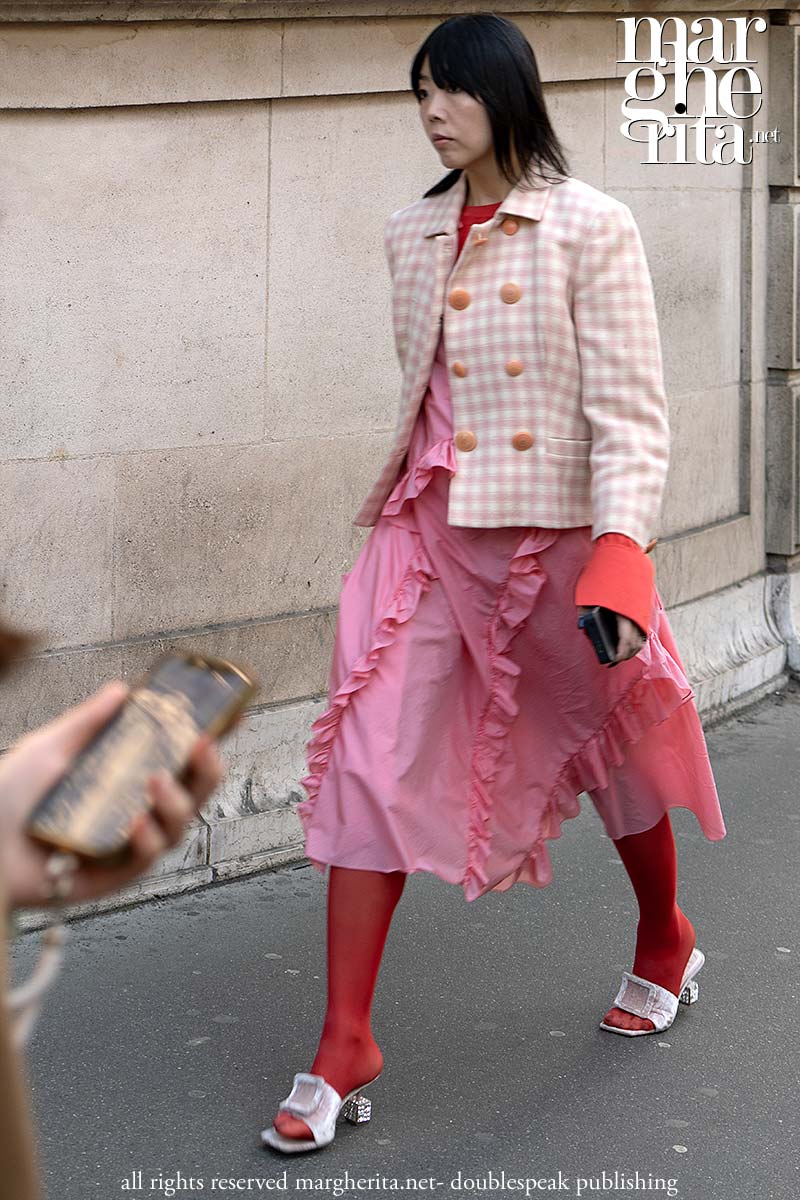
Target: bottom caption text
(606, 1182)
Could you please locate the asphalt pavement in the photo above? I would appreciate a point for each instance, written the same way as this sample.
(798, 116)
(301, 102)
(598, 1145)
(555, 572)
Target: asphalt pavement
(176, 1026)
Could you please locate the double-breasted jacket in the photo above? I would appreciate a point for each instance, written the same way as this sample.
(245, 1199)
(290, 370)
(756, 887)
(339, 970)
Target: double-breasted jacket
(553, 355)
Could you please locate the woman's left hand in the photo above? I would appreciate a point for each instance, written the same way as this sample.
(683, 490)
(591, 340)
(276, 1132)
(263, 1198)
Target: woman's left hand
(631, 637)
(37, 760)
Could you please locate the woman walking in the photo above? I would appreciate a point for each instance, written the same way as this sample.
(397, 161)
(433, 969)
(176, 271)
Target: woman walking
(467, 709)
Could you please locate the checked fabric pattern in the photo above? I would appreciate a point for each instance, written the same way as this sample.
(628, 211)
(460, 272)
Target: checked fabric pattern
(554, 333)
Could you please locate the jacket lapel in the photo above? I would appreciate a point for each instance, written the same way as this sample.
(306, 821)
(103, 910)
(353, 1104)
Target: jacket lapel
(521, 201)
(526, 202)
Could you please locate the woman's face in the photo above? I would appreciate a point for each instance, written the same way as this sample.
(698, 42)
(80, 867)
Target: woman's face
(455, 123)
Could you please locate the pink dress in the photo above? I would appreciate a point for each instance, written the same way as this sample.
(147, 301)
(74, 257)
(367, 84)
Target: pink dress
(467, 710)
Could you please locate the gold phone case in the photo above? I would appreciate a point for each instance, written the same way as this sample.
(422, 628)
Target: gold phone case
(91, 808)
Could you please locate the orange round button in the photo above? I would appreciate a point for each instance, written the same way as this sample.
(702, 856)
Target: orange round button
(513, 367)
(522, 440)
(510, 226)
(465, 440)
(459, 298)
(510, 293)
(459, 369)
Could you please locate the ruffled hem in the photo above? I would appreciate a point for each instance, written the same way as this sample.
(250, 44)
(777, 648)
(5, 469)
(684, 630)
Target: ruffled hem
(646, 703)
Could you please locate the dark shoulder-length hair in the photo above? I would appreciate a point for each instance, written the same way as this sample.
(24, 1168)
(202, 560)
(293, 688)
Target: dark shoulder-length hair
(490, 58)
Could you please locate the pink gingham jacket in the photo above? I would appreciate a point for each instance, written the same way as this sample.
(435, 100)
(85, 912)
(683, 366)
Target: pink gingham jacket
(552, 344)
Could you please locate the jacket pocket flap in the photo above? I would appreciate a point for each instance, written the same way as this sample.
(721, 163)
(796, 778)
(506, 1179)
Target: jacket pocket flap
(568, 447)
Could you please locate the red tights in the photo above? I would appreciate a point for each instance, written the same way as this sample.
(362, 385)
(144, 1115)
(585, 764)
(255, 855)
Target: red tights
(665, 936)
(360, 909)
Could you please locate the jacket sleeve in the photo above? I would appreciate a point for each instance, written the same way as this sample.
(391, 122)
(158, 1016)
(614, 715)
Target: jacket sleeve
(388, 248)
(622, 390)
(399, 304)
(619, 575)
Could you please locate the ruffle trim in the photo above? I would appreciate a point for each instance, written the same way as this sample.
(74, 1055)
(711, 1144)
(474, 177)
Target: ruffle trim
(525, 579)
(417, 478)
(416, 580)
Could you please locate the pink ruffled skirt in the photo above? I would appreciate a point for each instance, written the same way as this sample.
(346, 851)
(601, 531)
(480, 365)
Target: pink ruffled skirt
(466, 709)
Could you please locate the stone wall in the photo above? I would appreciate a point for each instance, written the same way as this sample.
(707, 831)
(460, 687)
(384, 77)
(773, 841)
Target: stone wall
(198, 374)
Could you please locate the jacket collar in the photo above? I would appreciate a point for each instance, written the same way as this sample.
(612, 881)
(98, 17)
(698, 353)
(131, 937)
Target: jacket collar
(521, 201)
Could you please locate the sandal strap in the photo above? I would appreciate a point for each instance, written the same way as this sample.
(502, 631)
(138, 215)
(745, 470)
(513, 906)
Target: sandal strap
(645, 999)
(314, 1101)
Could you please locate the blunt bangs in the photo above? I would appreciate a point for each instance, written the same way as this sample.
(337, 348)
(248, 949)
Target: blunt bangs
(455, 61)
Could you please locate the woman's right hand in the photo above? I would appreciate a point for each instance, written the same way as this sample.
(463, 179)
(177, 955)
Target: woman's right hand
(631, 638)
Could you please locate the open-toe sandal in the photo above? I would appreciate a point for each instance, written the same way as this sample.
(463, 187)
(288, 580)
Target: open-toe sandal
(645, 999)
(318, 1104)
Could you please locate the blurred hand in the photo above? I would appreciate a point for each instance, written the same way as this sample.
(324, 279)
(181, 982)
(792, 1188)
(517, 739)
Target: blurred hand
(631, 637)
(36, 761)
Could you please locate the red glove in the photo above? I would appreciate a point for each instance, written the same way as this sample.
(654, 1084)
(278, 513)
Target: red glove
(619, 576)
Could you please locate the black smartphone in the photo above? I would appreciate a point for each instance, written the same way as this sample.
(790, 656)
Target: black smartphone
(89, 811)
(600, 626)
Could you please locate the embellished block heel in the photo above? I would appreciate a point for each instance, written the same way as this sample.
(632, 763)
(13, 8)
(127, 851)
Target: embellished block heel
(358, 1109)
(689, 993)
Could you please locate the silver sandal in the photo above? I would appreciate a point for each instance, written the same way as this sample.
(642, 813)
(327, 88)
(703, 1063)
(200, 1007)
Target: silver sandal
(318, 1104)
(645, 999)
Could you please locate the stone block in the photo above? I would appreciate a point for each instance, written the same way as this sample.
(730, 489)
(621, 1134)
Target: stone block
(728, 660)
(161, 62)
(289, 656)
(691, 239)
(231, 534)
(783, 298)
(42, 686)
(56, 547)
(569, 46)
(349, 56)
(331, 363)
(252, 836)
(785, 604)
(784, 104)
(133, 286)
(703, 487)
(757, 284)
(338, 56)
(783, 469)
(702, 562)
(265, 760)
(572, 108)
